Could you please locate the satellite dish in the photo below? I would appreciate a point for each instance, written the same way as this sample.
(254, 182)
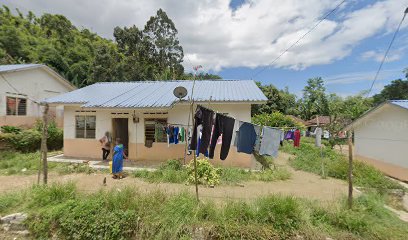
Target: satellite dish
(180, 92)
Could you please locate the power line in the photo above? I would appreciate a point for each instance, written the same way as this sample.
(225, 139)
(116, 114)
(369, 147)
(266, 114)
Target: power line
(386, 52)
(303, 36)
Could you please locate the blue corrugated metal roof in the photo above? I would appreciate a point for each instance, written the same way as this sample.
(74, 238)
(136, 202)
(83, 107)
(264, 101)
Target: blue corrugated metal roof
(159, 94)
(400, 103)
(15, 67)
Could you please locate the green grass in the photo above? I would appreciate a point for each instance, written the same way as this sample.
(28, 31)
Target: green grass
(17, 163)
(173, 171)
(62, 212)
(333, 164)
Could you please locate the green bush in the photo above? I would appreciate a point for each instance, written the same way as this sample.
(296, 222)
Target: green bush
(276, 119)
(30, 140)
(207, 174)
(10, 129)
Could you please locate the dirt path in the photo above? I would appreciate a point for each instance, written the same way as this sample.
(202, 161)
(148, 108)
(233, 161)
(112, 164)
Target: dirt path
(302, 184)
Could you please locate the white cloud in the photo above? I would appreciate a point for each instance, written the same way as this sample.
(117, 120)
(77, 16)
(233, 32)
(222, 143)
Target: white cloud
(215, 36)
(356, 77)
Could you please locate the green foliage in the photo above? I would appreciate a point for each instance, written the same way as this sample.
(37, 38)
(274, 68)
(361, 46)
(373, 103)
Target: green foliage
(278, 101)
(30, 140)
(10, 129)
(314, 101)
(276, 119)
(396, 90)
(207, 174)
(58, 211)
(308, 158)
(84, 57)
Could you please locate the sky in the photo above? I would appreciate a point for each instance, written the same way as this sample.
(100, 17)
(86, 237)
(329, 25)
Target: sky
(239, 39)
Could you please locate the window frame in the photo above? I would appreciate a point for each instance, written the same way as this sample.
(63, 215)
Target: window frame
(152, 127)
(17, 108)
(88, 131)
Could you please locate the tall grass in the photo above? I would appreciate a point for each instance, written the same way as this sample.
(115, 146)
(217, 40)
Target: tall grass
(333, 164)
(12, 162)
(61, 212)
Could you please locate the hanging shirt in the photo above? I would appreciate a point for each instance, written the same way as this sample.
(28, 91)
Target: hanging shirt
(271, 139)
(202, 117)
(296, 141)
(318, 137)
(246, 138)
(224, 126)
(289, 135)
(237, 132)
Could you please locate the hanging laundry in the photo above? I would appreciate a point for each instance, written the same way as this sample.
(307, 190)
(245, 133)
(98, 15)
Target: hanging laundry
(224, 126)
(296, 141)
(318, 137)
(202, 117)
(246, 138)
(237, 132)
(170, 134)
(289, 135)
(271, 139)
(182, 134)
(282, 137)
(258, 138)
(198, 146)
(175, 135)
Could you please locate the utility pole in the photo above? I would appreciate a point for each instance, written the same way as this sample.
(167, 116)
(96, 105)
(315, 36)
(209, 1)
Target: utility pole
(44, 148)
(350, 170)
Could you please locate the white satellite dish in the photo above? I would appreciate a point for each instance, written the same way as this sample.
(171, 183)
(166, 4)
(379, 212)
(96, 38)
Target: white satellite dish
(180, 92)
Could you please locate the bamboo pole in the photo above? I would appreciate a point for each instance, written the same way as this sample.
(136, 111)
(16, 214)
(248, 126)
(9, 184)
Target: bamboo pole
(350, 171)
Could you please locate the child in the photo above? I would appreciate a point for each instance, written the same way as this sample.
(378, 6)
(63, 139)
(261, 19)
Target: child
(117, 164)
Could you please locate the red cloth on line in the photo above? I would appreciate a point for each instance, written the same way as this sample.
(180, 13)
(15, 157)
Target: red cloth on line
(296, 142)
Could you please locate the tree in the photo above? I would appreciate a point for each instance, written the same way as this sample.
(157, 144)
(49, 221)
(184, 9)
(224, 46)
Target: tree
(314, 101)
(161, 32)
(276, 119)
(396, 90)
(278, 100)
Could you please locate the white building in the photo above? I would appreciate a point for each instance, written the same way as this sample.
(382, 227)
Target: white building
(381, 138)
(22, 86)
(130, 110)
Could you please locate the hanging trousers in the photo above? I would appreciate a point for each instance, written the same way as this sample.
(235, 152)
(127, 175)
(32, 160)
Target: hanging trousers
(202, 117)
(223, 125)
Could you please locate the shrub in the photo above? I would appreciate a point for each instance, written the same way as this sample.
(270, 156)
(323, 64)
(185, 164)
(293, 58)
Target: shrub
(207, 174)
(10, 129)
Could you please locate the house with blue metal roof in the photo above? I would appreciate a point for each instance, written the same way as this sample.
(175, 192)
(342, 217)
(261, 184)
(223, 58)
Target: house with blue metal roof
(381, 138)
(22, 87)
(135, 112)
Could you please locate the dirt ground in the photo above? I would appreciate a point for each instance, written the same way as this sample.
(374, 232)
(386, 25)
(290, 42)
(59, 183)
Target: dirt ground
(302, 184)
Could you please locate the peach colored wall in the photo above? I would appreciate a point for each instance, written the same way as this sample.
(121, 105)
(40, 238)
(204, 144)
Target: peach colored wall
(160, 152)
(86, 148)
(23, 121)
(388, 168)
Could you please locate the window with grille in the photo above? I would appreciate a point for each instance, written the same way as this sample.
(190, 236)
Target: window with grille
(16, 106)
(85, 126)
(154, 129)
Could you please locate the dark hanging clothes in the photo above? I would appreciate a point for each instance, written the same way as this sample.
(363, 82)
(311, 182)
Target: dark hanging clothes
(296, 141)
(202, 117)
(175, 135)
(246, 138)
(223, 125)
(198, 147)
(170, 133)
(289, 135)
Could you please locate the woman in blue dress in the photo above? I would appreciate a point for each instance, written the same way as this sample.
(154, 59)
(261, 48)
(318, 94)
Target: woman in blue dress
(117, 161)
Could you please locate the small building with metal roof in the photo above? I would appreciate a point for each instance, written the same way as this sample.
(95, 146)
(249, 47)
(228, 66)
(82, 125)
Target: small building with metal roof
(133, 111)
(381, 138)
(22, 86)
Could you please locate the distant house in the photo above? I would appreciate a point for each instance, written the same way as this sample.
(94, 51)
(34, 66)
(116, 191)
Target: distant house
(381, 138)
(22, 86)
(131, 110)
(321, 121)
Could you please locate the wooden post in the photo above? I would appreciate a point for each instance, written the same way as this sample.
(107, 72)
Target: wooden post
(44, 148)
(195, 157)
(350, 170)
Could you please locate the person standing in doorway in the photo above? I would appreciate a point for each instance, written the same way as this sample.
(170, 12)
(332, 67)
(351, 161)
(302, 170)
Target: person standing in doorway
(117, 163)
(106, 145)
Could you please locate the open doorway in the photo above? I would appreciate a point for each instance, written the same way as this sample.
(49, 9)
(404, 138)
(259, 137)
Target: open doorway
(121, 130)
